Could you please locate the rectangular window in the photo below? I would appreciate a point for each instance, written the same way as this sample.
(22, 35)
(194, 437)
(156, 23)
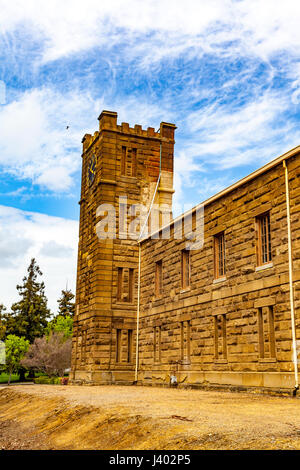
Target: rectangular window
(157, 343)
(83, 345)
(264, 254)
(219, 255)
(129, 346)
(123, 161)
(125, 285)
(130, 284)
(118, 345)
(122, 219)
(266, 333)
(185, 269)
(158, 278)
(129, 161)
(133, 162)
(120, 284)
(220, 337)
(185, 340)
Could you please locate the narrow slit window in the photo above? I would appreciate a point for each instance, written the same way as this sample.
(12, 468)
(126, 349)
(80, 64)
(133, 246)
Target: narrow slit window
(118, 345)
(120, 284)
(133, 162)
(125, 285)
(219, 255)
(130, 284)
(129, 346)
(266, 333)
(123, 161)
(158, 278)
(157, 343)
(185, 340)
(220, 337)
(122, 218)
(185, 269)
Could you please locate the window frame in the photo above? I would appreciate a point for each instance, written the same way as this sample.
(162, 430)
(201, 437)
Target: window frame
(158, 277)
(218, 262)
(185, 256)
(263, 239)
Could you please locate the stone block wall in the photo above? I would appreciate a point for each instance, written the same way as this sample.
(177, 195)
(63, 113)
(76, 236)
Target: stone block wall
(210, 332)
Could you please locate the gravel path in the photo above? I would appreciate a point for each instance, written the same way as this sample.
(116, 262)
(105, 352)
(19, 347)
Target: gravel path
(196, 419)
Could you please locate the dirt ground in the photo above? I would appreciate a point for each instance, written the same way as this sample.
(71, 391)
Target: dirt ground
(117, 417)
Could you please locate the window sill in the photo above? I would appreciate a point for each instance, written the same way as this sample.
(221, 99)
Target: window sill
(128, 177)
(121, 303)
(264, 266)
(158, 297)
(220, 279)
(267, 359)
(221, 361)
(183, 291)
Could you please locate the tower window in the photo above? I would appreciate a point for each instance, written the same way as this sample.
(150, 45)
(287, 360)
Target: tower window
(129, 345)
(125, 285)
(128, 161)
(118, 345)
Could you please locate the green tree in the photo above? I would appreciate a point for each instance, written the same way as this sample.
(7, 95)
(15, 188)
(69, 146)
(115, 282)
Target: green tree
(60, 324)
(29, 316)
(15, 350)
(66, 306)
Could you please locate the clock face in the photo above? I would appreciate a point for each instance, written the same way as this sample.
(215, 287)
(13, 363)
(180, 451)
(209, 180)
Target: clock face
(92, 169)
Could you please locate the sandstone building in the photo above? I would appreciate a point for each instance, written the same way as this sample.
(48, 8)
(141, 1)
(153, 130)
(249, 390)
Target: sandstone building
(150, 310)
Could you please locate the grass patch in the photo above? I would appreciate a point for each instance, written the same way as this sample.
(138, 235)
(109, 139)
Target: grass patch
(15, 377)
(4, 378)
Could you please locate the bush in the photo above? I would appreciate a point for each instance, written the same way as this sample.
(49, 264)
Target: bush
(48, 380)
(49, 355)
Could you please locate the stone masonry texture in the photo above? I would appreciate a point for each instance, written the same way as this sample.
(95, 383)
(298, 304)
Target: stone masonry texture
(233, 330)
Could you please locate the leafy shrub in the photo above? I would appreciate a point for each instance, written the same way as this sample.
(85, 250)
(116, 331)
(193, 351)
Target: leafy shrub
(49, 355)
(48, 380)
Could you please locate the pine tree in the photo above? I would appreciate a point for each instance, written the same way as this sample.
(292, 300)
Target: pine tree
(66, 306)
(29, 316)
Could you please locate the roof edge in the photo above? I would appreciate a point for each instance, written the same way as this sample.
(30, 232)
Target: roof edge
(232, 187)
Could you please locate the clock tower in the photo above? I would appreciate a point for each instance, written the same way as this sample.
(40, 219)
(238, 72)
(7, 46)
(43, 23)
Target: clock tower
(120, 168)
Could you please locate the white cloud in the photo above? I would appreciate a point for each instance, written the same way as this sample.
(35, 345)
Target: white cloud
(229, 137)
(51, 240)
(34, 141)
(162, 27)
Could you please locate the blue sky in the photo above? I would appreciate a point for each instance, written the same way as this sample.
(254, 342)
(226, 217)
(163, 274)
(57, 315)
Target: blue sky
(226, 72)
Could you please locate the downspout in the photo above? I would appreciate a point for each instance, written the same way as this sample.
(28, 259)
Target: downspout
(138, 318)
(139, 274)
(291, 276)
